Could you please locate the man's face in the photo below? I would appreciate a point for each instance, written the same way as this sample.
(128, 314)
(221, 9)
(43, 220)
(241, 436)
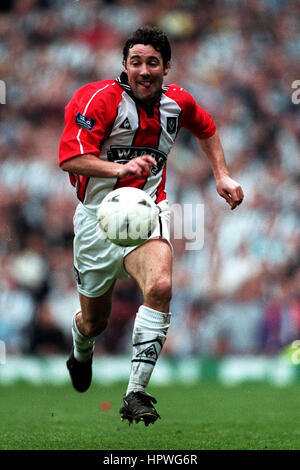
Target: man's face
(145, 69)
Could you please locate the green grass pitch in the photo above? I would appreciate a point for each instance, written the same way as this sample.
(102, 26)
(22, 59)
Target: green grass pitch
(207, 416)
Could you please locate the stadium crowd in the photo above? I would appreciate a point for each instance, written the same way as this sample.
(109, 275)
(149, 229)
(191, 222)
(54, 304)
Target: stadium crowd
(239, 293)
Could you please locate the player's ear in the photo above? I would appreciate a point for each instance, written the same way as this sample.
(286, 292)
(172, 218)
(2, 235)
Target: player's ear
(167, 68)
(124, 65)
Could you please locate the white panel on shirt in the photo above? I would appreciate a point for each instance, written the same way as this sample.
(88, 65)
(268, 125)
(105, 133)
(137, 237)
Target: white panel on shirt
(122, 135)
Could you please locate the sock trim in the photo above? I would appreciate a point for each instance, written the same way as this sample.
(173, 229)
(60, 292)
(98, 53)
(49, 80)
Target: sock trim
(154, 316)
(149, 341)
(83, 346)
(143, 360)
(75, 327)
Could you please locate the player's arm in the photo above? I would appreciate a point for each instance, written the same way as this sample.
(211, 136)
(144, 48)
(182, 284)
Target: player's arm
(85, 132)
(228, 188)
(91, 165)
(200, 123)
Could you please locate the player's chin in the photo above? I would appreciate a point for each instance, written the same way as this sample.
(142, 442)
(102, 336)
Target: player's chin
(143, 97)
(145, 94)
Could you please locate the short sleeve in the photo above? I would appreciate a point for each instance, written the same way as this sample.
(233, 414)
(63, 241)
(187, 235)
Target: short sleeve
(88, 116)
(196, 119)
(192, 116)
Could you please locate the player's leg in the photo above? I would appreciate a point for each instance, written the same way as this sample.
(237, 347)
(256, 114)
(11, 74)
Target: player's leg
(96, 264)
(87, 324)
(151, 266)
(94, 314)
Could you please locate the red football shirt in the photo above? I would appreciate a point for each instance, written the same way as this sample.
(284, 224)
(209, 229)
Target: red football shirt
(103, 118)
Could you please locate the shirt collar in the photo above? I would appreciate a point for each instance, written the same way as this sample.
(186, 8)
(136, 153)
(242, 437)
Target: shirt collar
(122, 80)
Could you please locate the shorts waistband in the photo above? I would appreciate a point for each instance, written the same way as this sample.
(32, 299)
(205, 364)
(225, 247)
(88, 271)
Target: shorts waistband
(163, 205)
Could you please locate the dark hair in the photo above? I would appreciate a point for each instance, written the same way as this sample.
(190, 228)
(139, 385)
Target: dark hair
(149, 35)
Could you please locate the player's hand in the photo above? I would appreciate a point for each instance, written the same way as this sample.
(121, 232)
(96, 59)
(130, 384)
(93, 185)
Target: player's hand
(137, 166)
(230, 190)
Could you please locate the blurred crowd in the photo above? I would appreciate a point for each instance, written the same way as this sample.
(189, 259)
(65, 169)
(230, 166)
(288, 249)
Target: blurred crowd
(239, 293)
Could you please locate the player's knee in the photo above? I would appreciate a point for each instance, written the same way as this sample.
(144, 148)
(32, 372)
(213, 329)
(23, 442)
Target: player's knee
(94, 328)
(159, 290)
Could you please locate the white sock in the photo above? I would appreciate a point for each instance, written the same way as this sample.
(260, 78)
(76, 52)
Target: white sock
(148, 337)
(83, 346)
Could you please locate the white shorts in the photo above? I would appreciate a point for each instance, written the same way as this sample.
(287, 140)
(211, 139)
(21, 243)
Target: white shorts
(97, 261)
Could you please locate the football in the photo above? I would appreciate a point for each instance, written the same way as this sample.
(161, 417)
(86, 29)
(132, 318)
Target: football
(127, 216)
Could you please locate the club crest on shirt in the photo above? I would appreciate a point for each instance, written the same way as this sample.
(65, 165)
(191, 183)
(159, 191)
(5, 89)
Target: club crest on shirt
(85, 121)
(171, 125)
